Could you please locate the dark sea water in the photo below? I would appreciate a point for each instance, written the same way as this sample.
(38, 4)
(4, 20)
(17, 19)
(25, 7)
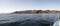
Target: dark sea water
(28, 19)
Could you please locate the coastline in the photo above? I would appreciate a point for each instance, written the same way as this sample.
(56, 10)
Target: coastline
(37, 12)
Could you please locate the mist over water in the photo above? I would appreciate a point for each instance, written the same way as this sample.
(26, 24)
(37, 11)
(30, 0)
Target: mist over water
(27, 19)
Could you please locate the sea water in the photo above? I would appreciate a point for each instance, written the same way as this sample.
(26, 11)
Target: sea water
(27, 19)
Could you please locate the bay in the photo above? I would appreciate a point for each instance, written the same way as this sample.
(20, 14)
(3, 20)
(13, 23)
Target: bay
(28, 19)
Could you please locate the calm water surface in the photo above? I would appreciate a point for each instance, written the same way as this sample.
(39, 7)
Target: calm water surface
(27, 19)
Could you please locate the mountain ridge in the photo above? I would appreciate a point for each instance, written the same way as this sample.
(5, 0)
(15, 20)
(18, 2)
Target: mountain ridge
(36, 11)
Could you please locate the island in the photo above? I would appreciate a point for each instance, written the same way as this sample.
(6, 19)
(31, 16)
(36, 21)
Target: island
(36, 11)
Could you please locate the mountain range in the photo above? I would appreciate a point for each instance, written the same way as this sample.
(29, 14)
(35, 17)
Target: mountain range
(36, 11)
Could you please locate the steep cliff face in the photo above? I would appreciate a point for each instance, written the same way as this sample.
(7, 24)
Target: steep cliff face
(37, 11)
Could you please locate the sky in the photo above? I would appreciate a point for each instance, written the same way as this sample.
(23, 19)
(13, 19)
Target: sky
(7, 6)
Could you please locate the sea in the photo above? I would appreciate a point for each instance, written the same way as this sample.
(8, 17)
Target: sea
(28, 19)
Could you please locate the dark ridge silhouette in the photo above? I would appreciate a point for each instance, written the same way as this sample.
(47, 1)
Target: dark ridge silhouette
(36, 11)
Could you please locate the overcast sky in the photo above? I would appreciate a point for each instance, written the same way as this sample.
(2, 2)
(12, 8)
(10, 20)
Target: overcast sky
(7, 6)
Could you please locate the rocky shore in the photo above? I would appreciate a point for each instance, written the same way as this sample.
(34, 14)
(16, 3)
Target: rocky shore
(36, 11)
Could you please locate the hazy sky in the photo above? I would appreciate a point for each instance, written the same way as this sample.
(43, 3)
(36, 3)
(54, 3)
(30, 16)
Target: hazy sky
(7, 6)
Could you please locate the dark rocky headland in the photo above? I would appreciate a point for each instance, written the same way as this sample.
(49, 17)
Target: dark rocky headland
(36, 11)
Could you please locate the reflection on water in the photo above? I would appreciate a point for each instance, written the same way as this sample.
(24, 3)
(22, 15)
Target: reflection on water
(27, 19)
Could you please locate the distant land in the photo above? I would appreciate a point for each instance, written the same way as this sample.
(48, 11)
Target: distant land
(36, 11)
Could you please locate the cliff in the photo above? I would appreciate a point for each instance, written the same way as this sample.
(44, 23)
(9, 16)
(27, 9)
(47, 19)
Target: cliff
(36, 11)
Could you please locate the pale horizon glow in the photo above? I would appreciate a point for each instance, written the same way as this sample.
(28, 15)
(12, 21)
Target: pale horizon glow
(7, 6)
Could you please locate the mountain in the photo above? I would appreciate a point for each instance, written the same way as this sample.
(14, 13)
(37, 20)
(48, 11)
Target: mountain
(36, 11)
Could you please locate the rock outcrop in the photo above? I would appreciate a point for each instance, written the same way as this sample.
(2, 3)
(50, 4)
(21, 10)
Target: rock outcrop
(36, 11)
